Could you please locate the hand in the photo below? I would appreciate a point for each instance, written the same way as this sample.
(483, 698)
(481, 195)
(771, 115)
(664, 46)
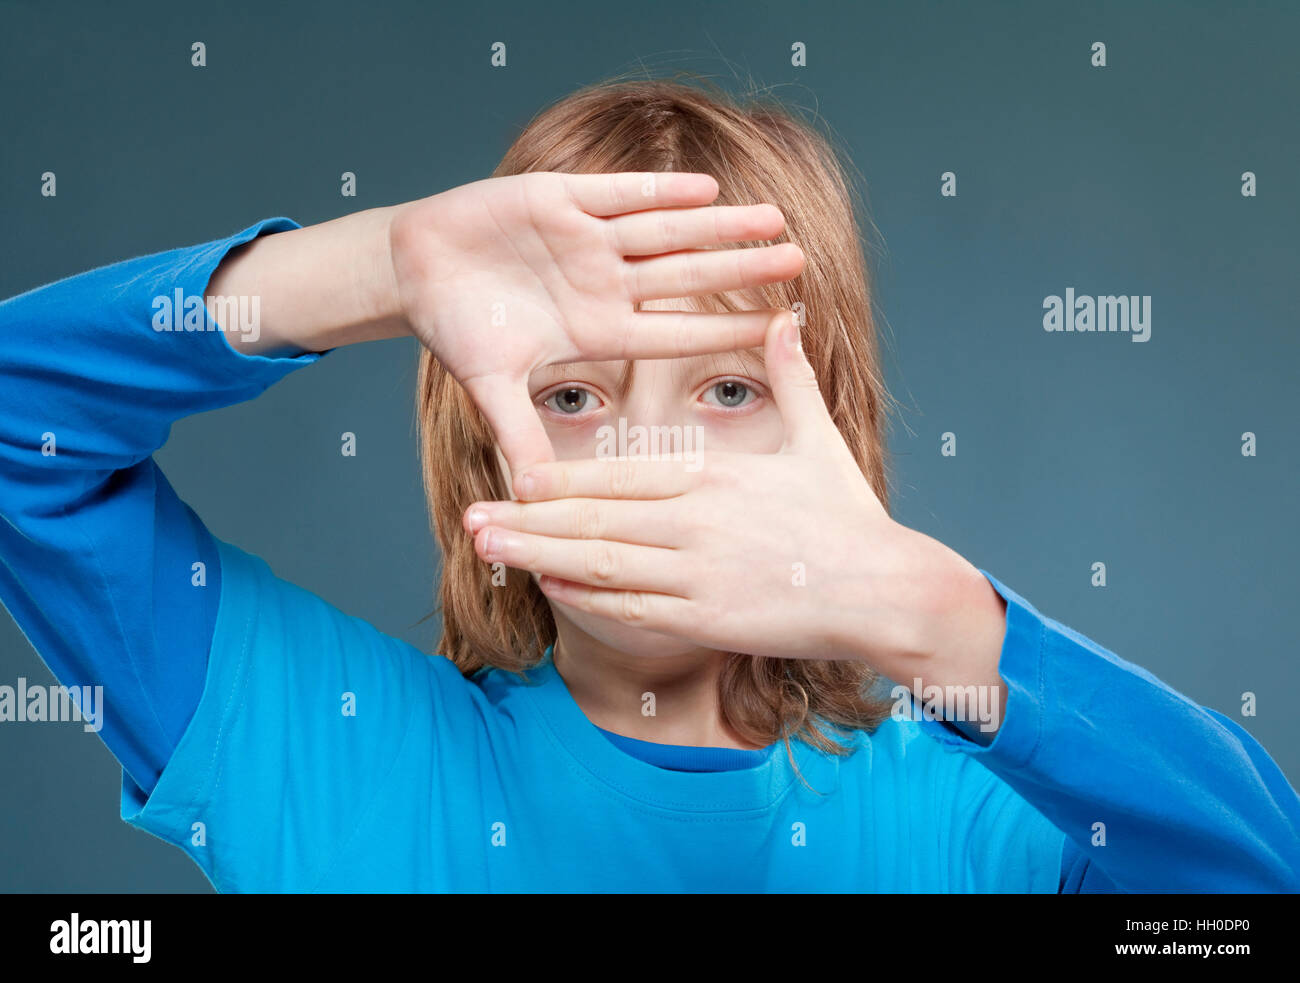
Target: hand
(788, 554)
(500, 277)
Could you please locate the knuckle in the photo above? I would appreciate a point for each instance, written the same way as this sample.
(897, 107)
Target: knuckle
(692, 276)
(528, 552)
(665, 229)
(559, 482)
(602, 563)
(682, 335)
(622, 478)
(803, 375)
(633, 280)
(616, 193)
(587, 522)
(613, 236)
(634, 607)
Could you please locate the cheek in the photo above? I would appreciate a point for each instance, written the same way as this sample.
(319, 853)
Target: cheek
(573, 442)
(760, 432)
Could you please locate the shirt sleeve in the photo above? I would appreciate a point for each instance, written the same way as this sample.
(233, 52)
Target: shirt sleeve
(311, 725)
(97, 553)
(1154, 793)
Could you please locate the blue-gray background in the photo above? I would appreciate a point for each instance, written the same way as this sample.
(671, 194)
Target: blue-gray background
(1071, 448)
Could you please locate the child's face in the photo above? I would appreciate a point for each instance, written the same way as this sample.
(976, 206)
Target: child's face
(679, 408)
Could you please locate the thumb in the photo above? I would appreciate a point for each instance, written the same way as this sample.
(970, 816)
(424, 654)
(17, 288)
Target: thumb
(793, 382)
(510, 413)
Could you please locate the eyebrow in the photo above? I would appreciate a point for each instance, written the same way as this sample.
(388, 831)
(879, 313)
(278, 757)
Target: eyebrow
(747, 361)
(558, 370)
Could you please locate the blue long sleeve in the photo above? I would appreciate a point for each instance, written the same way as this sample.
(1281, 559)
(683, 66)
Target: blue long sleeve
(97, 552)
(1154, 792)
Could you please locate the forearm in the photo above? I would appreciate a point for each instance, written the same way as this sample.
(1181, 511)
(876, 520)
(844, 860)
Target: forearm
(317, 288)
(1156, 792)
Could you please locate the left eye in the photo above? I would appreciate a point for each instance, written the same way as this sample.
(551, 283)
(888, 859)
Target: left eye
(569, 401)
(728, 393)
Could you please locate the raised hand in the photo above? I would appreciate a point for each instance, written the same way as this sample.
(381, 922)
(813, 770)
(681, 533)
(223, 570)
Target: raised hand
(502, 276)
(787, 554)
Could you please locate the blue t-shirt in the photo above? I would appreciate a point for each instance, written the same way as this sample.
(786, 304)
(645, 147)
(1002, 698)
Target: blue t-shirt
(441, 783)
(287, 746)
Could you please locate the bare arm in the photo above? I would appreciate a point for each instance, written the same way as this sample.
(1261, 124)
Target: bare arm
(319, 287)
(500, 277)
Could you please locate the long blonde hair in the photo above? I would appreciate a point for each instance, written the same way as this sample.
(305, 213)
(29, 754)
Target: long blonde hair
(757, 152)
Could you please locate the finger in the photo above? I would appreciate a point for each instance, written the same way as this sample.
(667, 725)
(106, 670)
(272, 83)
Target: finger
(677, 334)
(695, 273)
(603, 195)
(638, 609)
(597, 478)
(793, 382)
(596, 562)
(641, 523)
(509, 411)
(669, 230)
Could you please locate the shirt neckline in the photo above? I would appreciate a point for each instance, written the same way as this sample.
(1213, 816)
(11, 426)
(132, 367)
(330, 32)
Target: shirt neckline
(684, 757)
(754, 788)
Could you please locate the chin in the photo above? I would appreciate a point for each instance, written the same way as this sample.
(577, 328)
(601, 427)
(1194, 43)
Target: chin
(636, 642)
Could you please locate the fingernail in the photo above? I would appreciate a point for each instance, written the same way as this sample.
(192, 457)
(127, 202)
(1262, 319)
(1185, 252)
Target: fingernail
(791, 332)
(477, 519)
(526, 485)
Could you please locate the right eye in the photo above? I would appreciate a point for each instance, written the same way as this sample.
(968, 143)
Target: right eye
(571, 400)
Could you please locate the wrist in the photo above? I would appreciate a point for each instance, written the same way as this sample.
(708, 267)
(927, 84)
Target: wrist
(317, 287)
(380, 288)
(948, 621)
(346, 290)
(350, 265)
(967, 651)
(371, 310)
(970, 629)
